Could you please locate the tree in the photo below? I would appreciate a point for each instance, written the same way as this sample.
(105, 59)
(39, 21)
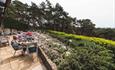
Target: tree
(14, 24)
(86, 27)
(107, 33)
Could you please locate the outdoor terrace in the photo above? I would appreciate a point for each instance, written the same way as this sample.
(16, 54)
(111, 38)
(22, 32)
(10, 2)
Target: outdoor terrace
(19, 62)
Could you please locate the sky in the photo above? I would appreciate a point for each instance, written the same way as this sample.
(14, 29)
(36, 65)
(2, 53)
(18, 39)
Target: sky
(101, 12)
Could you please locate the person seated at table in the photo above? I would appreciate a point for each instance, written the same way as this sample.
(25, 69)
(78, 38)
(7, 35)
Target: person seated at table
(16, 45)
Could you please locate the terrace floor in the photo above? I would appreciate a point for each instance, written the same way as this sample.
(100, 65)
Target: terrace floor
(18, 62)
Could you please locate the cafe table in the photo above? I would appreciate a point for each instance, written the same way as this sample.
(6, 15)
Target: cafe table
(30, 46)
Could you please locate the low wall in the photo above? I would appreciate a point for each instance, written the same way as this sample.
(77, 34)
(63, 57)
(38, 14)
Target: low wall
(47, 62)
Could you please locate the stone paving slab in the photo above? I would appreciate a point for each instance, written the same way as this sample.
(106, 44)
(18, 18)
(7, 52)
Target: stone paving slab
(18, 62)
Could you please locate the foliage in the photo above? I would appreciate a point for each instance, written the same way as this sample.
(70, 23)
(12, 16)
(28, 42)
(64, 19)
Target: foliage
(100, 41)
(85, 58)
(44, 15)
(107, 33)
(97, 48)
(47, 16)
(14, 24)
(86, 27)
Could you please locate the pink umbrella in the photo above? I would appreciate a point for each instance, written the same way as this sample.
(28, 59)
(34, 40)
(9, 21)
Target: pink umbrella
(29, 33)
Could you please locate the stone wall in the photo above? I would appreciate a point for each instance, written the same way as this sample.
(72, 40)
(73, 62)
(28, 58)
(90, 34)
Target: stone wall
(46, 61)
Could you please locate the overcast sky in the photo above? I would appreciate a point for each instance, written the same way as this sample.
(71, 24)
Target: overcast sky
(101, 12)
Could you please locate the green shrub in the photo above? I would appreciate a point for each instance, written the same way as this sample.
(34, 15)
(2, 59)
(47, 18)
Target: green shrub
(88, 53)
(88, 59)
(103, 42)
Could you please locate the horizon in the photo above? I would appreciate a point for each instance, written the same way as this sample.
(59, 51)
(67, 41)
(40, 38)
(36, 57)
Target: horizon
(100, 12)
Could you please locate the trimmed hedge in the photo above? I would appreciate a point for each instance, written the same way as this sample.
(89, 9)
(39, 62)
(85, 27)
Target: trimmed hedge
(101, 41)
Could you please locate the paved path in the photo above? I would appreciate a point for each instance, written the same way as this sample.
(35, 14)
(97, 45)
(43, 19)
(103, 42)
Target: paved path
(18, 62)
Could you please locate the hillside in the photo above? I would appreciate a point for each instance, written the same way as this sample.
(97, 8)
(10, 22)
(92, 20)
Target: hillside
(74, 52)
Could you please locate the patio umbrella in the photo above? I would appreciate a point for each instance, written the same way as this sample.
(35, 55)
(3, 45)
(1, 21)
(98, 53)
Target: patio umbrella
(29, 33)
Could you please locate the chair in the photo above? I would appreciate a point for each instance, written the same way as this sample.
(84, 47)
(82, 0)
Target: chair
(4, 41)
(15, 48)
(32, 48)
